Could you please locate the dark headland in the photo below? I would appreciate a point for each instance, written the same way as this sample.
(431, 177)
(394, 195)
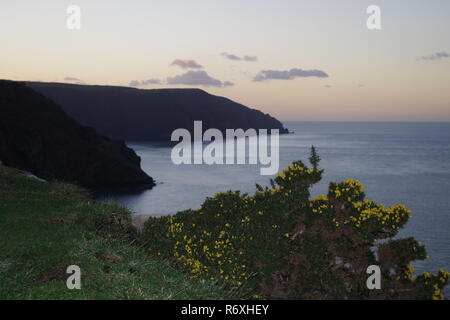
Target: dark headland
(36, 135)
(152, 115)
(65, 132)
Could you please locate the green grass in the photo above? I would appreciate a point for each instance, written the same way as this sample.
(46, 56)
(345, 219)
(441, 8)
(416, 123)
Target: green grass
(44, 227)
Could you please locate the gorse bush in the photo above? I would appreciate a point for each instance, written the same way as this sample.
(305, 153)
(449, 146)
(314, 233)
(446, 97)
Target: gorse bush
(279, 243)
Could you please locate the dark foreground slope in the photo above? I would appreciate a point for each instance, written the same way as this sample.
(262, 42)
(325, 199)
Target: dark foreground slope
(45, 227)
(38, 136)
(133, 114)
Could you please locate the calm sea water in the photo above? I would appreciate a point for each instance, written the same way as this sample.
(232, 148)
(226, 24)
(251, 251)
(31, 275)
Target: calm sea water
(397, 163)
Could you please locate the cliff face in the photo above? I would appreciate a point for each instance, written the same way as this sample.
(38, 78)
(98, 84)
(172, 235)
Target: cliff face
(38, 136)
(132, 114)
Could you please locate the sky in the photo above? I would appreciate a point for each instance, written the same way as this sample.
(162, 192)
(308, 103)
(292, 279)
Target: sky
(297, 60)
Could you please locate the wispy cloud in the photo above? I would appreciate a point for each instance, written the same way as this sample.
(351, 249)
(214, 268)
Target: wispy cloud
(197, 78)
(186, 64)
(288, 74)
(143, 83)
(74, 80)
(238, 58)
(436, 56)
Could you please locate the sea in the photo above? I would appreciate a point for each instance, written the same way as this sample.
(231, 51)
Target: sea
(398, 163)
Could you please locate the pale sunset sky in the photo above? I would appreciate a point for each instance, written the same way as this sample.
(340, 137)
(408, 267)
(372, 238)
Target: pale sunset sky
(297, 60)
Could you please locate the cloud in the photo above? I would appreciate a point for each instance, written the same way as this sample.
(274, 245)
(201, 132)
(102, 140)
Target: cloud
(288, 75)
(231, 56)
(186, 64)
(250, 58)
(197, 78)
(237, 58)
(143, 83)
(436, 56)
(75, 80)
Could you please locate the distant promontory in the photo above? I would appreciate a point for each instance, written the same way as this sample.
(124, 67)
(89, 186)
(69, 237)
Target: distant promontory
(151, 115)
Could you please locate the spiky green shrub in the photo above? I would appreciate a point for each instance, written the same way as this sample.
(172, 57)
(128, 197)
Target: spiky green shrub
(280, 244)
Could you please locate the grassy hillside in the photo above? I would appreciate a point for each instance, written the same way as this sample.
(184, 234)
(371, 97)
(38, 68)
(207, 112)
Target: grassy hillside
(44, 227)
(276, 244)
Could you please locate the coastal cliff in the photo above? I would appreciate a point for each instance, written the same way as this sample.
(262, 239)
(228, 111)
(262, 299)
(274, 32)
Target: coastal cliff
(133, 114)
(38, 136)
